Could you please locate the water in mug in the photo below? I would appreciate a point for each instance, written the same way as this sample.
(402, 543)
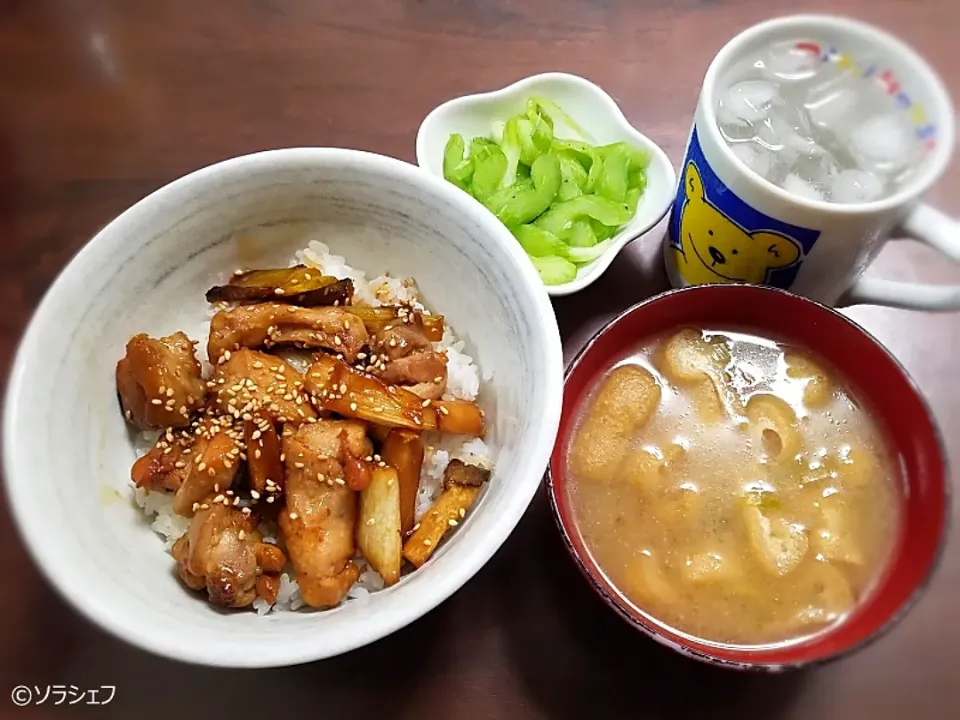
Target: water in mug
(818, 128)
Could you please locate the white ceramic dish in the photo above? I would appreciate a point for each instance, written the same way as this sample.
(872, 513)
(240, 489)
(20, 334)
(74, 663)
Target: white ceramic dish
(67, 451)
(593, 110)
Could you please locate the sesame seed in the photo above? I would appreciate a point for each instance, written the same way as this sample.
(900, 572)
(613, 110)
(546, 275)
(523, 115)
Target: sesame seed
(427, 542)
(241, 535)
(463, 512)
(256, 453)
(339, 481)
(183, 409)
(254, 494)
(169, 392)
(346, 324)
(204, 506)
(162, 389)
(444, 411)
(298, 465)
(452, 522)
(218, 498)
(425, 403)
(353, 406)
(179, 464)
(216, 487)
(372, 521)
(438, 378)
(337, 341)
(293, 516)
(415, 527)
(157, 401)
(245, 511)
(271, 499)
(343, 388)
(128, 414)
(196, 506)
(417, 421)
(278, 291)
(202, 466)
(211, 472)
(226, 354)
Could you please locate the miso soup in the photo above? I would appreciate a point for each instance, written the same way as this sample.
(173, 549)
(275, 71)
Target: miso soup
(733, 488)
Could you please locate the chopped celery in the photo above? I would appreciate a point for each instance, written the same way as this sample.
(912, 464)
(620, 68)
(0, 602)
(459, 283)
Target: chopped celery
(581, 255)
(456, 168)
(612, 183)
(637, 180)
(559, 217)
(511, 149)
(537, 242)
(603, 232)
(521, 204)
(552, 110)
(583, 152)
(563, 199)
(574, 177)
(594, 175)
(580, 234)
(554, 270)
(489, 165)
(631, 200)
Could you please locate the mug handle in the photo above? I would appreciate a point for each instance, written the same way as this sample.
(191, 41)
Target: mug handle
(933, 228)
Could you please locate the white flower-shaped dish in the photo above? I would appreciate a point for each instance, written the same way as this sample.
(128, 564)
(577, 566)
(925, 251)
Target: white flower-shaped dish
(598, 116)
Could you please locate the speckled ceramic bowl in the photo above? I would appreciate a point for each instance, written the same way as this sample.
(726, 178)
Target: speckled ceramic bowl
(594, 111)
(67, 450)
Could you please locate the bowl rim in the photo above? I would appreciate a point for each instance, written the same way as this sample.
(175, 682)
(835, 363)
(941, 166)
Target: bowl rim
(601, 264)
(590, 569)
(368, 629)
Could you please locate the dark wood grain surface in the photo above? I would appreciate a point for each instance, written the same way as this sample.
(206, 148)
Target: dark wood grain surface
(103, 101)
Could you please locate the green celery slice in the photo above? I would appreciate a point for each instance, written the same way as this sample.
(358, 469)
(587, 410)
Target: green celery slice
(554, 270)
(456, 168)
(489, 165)
(580, 234)
(581, 255)
(537, 242)
(561, 216)
(574, 177)
(510, 145)
(612, 183)
(520, 203)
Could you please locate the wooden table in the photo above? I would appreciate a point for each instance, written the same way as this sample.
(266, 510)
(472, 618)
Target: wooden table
(103, 101)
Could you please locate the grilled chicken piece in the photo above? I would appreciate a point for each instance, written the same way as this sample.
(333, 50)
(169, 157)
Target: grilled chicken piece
(223, 553)
(159, 381)
(212, 465)
(165, 466)
(318, 521)
(247, 382)
(459, 473)
(269, 324)
(404, 356)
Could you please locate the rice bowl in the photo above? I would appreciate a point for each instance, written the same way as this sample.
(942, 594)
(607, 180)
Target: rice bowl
(140, 273)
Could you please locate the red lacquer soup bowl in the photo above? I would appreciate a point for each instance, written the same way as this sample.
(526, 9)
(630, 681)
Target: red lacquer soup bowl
(873, 375)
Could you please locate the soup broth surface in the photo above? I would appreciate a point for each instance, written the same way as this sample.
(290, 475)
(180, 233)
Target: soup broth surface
(733, 488)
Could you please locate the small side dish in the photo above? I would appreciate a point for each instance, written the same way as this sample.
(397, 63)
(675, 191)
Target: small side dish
(563, 199)
(326, 441)
(734, 488)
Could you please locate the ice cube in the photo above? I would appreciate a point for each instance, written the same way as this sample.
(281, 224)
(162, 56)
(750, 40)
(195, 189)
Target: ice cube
(855, 186)
(832, 105)
(796, 185)
(755, 157)
(815, 164)
(791, 62)
(885, 144)
(747, 102)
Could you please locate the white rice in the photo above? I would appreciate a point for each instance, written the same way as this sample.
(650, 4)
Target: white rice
(463, 382)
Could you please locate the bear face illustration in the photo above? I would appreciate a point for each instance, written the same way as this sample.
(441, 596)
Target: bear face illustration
(715, 249)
